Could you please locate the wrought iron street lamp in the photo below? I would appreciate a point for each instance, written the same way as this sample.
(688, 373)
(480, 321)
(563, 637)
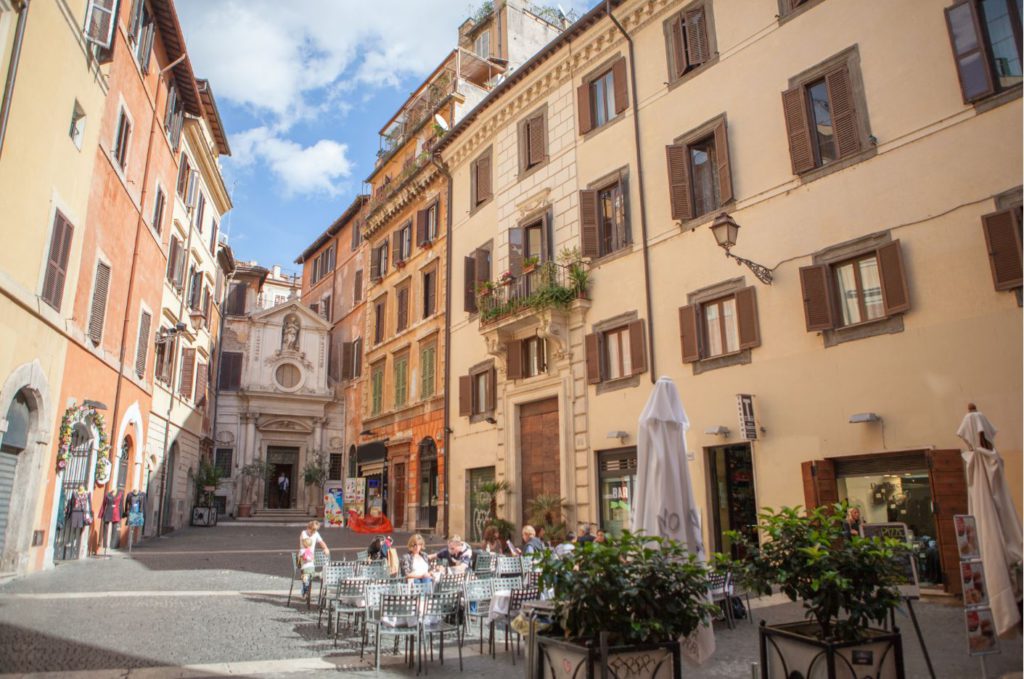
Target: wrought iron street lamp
(725, 230)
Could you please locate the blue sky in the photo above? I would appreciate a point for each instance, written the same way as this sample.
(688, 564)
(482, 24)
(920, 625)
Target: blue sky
(303, 86)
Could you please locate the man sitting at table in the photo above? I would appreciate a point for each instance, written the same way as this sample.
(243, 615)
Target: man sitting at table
(458, 556)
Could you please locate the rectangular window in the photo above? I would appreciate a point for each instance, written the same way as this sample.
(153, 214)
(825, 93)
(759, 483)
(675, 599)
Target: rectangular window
(377, 389)
(721, 327)
(427, 367)
(700, 181)
(326, 308)
(222, 461)
(986, 40)
(480, 392)
(213, 237)
(231, 370)
(481, 189)
(174, 119)
(98, 309)
(158, 210)
(357, 236)
(188, 368)
(334, 472)
(403, 244)
(482, 44)
(402, 317)
(236, 299)
(822, 137)
(611, 218)
(859, 290)
(618, 362)
(140, 34)
(429, 292)
(705, 176)
(184, 174)
(142, 344)
(532, 132)
(202, 382)
(689, 41)
(379, 319)
(535, 356)
(357, 287)
(615, 352)
(122, 139)
(200, 212)
(718, 324)
(477, 392)
(357, 357)
(401, 381)
(162, 360)
(602, 99)
(432, 221)
(379, 262)
(57, 261)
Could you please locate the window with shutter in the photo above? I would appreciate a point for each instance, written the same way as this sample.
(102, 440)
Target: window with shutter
(401, 369)
(429, 292)
(402, 305)
(1003, 242)
(480, 180)
(142, 345)
(698, 170)
(604, 221)
(465, 396)
(188, 366)
(592, 345)
(202, 379)
(346, 360)
(357, 357)
(184, 175)
(421, 227)
(98, 309)
(213, 237)
(428, 363)
(691, 40)
(200, 212)
(377, 389)
(356, 236)
(621, 102)
(380, 317)
(637, 348)
(514, 359)
(532, 135)
(100, 23)
(231, 370)
(357, 287)
(57, 261)
(601, 99)
(469, 284)
(986, 42)
(159, 203)
(122, 139)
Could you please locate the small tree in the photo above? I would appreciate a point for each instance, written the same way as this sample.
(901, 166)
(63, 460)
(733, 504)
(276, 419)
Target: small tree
(490, 492)
(257, 470)
(546, 511)
(316, 471)
(209, 475)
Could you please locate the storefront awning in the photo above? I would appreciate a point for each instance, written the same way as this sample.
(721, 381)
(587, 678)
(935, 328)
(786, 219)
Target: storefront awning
(371, 452)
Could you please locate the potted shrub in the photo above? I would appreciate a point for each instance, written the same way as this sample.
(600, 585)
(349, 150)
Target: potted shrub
(546, 511)
(529, 264)
(315, 474)
(255, 471)
(845, 584)
(622, 607)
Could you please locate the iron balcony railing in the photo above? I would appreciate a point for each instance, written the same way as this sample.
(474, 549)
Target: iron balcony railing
(545, 286)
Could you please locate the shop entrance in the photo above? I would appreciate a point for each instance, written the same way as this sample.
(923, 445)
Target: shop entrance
(922, 489)
(617, 476)
(733, 503)
(282, 460)
(539, 452)
(398, 515)
(428, 484)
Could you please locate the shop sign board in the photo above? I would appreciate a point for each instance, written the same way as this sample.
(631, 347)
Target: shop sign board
(745, 405)
(909, 585)
(334, 504)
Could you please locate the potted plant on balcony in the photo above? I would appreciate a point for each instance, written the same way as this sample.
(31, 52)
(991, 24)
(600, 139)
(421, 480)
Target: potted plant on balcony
(485, 288)
(314, 475)
(530, 264)
(845, 584)
(624, 603)
(579, 277)
(256, 471)
(506, 278)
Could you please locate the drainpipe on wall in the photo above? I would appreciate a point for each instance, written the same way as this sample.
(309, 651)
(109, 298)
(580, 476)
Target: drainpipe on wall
(447, 333)
(12, 71)
(643, 194)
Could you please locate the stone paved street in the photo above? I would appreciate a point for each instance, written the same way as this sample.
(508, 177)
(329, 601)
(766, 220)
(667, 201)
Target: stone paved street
(211, 602)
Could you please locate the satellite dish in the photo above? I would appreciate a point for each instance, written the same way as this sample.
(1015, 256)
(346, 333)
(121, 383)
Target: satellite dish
(441, 122)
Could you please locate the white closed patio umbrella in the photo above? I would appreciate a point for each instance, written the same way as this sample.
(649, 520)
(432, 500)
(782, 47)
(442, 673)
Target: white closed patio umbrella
(665, 505)
(999, 527)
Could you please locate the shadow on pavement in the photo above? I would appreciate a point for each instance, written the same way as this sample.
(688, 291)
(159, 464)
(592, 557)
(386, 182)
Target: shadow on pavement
(24, 650)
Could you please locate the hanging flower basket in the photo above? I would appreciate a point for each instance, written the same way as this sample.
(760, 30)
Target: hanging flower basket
(506, 278)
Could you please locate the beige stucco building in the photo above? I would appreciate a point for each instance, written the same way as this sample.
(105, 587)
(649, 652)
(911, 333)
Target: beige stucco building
(884, 206)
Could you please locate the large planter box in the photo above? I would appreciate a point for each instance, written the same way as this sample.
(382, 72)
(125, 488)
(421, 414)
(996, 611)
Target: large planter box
(792, 650)
(560, 659)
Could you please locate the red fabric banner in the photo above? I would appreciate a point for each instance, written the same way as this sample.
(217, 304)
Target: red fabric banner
(368, 524)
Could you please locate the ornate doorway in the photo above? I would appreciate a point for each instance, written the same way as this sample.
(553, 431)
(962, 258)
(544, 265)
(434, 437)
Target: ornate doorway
(67, 540)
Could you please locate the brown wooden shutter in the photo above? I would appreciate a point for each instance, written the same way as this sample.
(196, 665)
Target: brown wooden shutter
(814, 282)
(536, 135)
(396, 247)
(492, 389)
(375, 264)
(895, 295)
(57, 261)
(172, 259)
(590, 241)
(469, 284)
(592, 345)
(746, 318)
(358, 286)
(971, 51)
(142, 346)
(514, 359)
(844, 114)
(619, 85)
(483, 179)
(465, 395)
(722, 161)
(515, 251)
(202, 378)
(188, 367)
(346, 360)
(637, 348)
(98, 310)
(357, 358)
(679, 181)
(820, 488)
(679, 46)
(583, 108)
(698, 49)
(403, 309)
(421, 226)
(801, 152)
(1003, 241)
(949, 497)
(689, 338)
(179, 274)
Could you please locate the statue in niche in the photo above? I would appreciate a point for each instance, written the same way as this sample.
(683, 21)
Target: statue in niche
(290, 334)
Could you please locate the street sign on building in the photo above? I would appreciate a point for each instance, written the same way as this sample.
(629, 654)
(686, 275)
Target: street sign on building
(745, 405)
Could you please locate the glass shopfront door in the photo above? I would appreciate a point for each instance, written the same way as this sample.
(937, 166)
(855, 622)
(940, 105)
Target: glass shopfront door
(617, 484)
(733, 504)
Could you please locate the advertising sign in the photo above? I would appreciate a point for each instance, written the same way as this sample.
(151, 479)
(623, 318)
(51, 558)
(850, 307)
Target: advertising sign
(966, 536)
(745, 405)
(981, 628)
(909, 586)
(355, 490)
(334, 504)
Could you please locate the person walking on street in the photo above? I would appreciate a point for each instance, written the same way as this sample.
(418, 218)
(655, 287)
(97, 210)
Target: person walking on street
(284, 499)
(312, 532)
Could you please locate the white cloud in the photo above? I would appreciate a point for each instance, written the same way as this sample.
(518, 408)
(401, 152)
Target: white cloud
(318, 168)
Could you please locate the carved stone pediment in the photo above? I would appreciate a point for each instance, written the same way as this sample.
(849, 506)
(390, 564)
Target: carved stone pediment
(534, 202)
(551, 324)
(284, 424)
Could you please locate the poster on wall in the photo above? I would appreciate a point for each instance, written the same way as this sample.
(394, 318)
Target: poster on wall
(909, 585)
(334, 504)
(966, 536)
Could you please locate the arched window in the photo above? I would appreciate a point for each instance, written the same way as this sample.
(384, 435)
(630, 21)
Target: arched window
(19, 418)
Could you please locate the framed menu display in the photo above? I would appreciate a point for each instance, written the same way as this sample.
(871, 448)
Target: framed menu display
(975, 588)
(966, 536)
(981, 631)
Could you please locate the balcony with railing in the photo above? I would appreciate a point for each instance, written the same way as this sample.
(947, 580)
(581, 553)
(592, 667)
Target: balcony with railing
(542, 287)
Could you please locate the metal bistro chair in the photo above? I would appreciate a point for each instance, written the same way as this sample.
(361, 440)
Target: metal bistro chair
(509, 566)
(372, 595)
(484, 565)
(440, 617)
(478, 604)
(375, 570)
(451, 582)
(721, 590)
(398, 618)
(319, 561)
(515, 605)
(333, 573)
(349, 600)
(420, 589)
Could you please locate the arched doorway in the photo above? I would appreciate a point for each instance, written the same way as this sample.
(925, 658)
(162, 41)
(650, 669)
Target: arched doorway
(168, 492)
(15, 440)
(124, 456)
(67, 540)
(428, 484)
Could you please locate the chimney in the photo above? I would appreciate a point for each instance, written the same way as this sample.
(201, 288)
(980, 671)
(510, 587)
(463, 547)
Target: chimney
(276, 271)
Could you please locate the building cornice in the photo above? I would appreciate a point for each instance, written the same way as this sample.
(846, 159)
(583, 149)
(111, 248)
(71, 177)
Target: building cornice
(402, 196)
(199, 144)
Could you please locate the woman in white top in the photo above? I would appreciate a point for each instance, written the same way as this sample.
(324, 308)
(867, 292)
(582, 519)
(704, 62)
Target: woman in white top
(312, 532)
(415, 566)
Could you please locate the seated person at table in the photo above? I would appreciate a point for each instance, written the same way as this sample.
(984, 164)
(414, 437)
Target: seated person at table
(493, 544)
(414, 565)
(567, 546)
(531, 543)
(457, 556)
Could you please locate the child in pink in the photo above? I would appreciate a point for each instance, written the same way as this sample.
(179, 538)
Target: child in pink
(306, 564)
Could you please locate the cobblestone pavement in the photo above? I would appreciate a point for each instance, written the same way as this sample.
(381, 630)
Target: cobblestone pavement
(212, 602)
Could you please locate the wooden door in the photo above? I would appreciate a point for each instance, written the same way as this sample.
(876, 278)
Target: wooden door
(820, 487)
(539, 452)
(949, 497)
(398, 499)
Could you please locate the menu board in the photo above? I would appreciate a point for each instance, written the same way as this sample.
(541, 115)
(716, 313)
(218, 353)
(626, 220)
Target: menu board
(909, 585)
(966, 536)
(334, 505)
(975, 589)
(981, 627)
